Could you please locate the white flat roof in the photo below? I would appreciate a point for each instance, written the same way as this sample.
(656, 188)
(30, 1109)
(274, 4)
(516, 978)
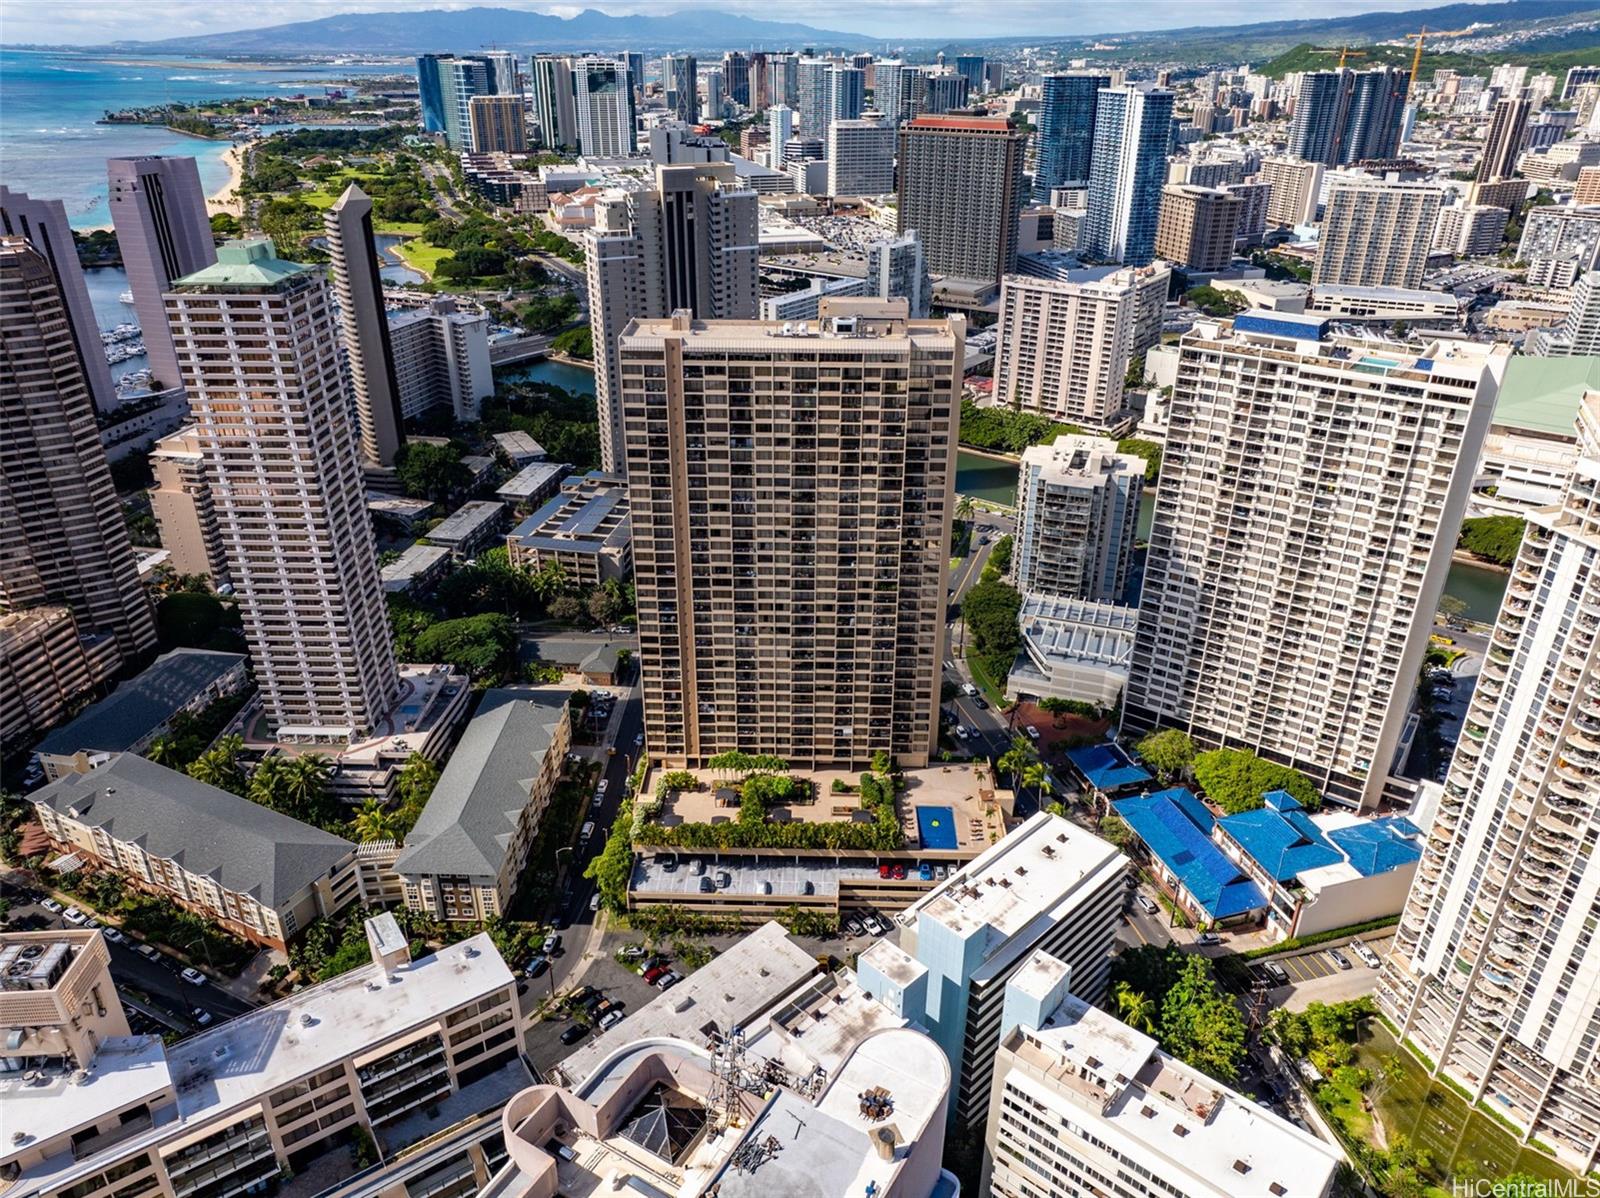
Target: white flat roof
(126, 1070)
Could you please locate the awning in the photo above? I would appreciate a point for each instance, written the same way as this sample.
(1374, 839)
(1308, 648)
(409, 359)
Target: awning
(67, 863)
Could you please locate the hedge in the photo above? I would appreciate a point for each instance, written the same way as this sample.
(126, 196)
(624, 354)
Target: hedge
(1315, 938)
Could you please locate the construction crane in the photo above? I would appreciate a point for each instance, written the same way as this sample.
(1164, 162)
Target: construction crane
(1416, 57)
(1343, 52)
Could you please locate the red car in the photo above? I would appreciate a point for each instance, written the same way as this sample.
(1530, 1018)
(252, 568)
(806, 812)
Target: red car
(899, 873)
(650, 975)
(883, 871)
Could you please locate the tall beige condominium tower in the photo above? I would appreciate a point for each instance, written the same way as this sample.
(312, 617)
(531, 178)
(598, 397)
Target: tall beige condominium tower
(62, 536)
(364, 325)
(259, 345)
(1064, 347)
(1508, 134)
(1495, 971)
(689, 241)
(184, 509)
(791, 497)
(499, 124)
(1077, 513)
(1309, 499)
(1295, 185)
(159, 210)
(1196, 226)
(961, 190)
(1376, 234)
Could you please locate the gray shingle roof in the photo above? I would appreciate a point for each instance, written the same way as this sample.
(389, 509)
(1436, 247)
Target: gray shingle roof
(241, 845)
(139, 706)
(473, 813)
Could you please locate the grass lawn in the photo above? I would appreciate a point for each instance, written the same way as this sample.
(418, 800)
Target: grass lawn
(1345, 1106)
(995, 694)
(419, 255)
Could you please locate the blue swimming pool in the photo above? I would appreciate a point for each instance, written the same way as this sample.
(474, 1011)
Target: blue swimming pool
(936, 827)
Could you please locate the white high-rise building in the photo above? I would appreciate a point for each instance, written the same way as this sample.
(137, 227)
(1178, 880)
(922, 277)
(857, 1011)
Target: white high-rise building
(1085, 1104)
(780, 128)
(1376, 233)
(1470, 230)
(860, 158)
(1305, 519)
(1128, 166)
(441, 359)
(1064, 347)
(603, 98)
(274, 420)
(1579, 333)
(1495, 971)
(680, 81)
(688, 241)
(898, 269)
(1077, 513)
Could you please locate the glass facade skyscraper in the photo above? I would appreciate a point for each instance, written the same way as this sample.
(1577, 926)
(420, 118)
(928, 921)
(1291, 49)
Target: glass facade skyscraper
(1346, 116)
(1132, 134)
(431, 93)
(1066, 131)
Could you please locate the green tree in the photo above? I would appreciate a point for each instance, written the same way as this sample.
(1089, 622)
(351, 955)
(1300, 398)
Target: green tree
(1236, 780)
(1493, 538)
(1201, 1024)
(373, 822)
(1213, 302)
(1135, 1009)
(1115, 829)
(548, 581)
(1169, 752)
(429, 471)
(1148, 451)
(612, 869)
(575, 343)
(414, 786)
(990, 611)
(965, 508)
(484, 647)
(219, 766)
(305, 787)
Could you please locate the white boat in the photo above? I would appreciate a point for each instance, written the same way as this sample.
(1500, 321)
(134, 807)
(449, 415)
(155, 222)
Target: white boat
(126, 298)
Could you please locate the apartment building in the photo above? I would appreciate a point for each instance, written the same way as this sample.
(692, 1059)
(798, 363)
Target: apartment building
(679, 75)
(1296, 184)
(47, 663)
(1507, 135)
(1471, 230)
(690, 241)
(961, 191)
(1072, 649)
(1063, 347)
(1344, 116)
(1493, 972)
(585, 529)
(1578, 334)
(163, 232)
(860, 158)
(1559, 244)
(1254, 196)
(253, 871)
(1196, 226)
(1132, 137)
(1047, 885)
(258, 343)
(603, 101)
(790, 491)
(1084, 1104)
(441, 359)
(364, 326)
(403, 1051)
(553, 108)
(1066, 130)
(1077, 514)
(62, 534)
(1267, 620)
(182, 505)
(499, 124)
(1375, 233)
(463, 859)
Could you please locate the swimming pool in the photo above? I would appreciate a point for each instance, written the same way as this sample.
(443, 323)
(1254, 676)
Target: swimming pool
(936, 827)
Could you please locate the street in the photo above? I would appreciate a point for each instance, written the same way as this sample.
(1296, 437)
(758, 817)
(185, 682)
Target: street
(989, 735)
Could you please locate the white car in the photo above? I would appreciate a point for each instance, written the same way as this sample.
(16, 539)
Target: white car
(193, 976)
(968, 689)
(113, 935)
(149, 952)
(1368, 957)
(601, 789)
(610, 1020)
(961, 732)
(1033, 733)
(874, 928)
(74, 916)
(51, 906)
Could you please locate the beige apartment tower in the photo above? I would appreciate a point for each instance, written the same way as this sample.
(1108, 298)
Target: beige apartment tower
(184, 510)
(1307, 511)
(1196, 226)
(1495, 972)
(1295, 185)
(499, 124)
(1376, 234)
(791, 493)
(1064, 347)
(364, 324)
(258, 343)
(961, 190)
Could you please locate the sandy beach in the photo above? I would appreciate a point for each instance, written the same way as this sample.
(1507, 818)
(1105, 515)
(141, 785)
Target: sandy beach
(226, 198)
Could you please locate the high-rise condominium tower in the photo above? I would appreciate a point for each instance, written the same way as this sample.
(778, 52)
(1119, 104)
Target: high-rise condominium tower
(1132, 133)
(791, 496)
(1066, 131)
(553, 105)
(736, 77)
(604, 103)
(273, 419)
(183, 506)
(365, 326)
(1064, 347)
(680, 75)
(1077, 512)
(961, 191)
(894, 93)
(943, 91)
(1295, 186)
(459, 80)
(159, 211)
(44, 224)
(811, 95)
(1495, 972)
(1345, 116)
(1376, 234)
(860, 158)
(499, 125)
(1579, 333)
(1305, 518)
(62, 536)
(897, 269)
(1508, 133)
(689, 242)
(1196, 226)
(847, 93)
(430, 91)
(783, 79)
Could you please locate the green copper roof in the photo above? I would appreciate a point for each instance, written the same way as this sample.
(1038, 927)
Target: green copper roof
(250, 263)
(1542, 394)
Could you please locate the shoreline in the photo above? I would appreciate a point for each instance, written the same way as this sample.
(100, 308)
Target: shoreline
(1007, 458)
(226, 198)
(1469, 559)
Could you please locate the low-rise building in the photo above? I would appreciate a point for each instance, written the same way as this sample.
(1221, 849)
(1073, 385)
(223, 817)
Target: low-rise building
(1383, 305)
(1174, 828)
(416, 570)
(254, 871)
(533, 484)
(463, 858)
(585, 528)
(399, 1050)
(401, 510)
(1073, 649)
(141, 710)
(1085, 1104)
(471, 527)
(1532, 444)
(519, 448)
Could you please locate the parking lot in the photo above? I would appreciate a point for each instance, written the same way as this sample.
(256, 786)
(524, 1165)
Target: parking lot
(1316, 963)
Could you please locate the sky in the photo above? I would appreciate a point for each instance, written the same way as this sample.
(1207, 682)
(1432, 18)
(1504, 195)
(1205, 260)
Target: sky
(89, 22)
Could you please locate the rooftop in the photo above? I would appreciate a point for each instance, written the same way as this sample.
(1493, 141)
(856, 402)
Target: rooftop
(466, 520)
(531, 479)
(413, 560)
(1176, 827)
(1541, 395)
(247, 265)
(47, 1103)
(243, 846)
(1107, 768)
(476, 807)
(1280, 837)
(141, 705)
(1077, 630)
(589, 515)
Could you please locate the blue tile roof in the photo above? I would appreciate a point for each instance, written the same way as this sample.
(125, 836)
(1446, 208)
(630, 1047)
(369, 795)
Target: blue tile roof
(1285, 843)
(1107, 767)
(1175, 827)
(1379, 845)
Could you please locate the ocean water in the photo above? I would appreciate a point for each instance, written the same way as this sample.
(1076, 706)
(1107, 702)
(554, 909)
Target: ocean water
(50, 146)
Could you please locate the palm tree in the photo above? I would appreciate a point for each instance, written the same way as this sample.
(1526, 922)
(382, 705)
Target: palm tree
(1134, 1009)
(305, 784)
(266, 784)
(1036, 776)
(548, 581)
(373, 822)
(965, 508)
(219, 766)
(163, 751)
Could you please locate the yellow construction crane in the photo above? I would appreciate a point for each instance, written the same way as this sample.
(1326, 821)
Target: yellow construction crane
(1416, 57)
(1343, 52)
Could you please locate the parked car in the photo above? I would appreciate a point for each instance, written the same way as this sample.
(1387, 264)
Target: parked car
(631, 952)
(899, 873)
(586, 831)
(537, 966)
(852, 927)
(1208, 938)
(193, 976)
(113, 935)
(93, 925)
(650, 975)
(52, 906)
(1277, 973)
(638, 739)
(610, 1020)
(1033, 733)
(885, 871)
(203, 1018)
(1368, 957)
(601, 789)
(668, 980)
(980, 704)
(594, 901)
(968, 689)
(961, 732)
(873, 926)
(74, 916)
(1339, 959)
(1146, 904)
(697, 867)
(707, 886)
(724, 879)
(148, 950)
(925, 872)
(574, 1033)
(551, 945)
(578, 995)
